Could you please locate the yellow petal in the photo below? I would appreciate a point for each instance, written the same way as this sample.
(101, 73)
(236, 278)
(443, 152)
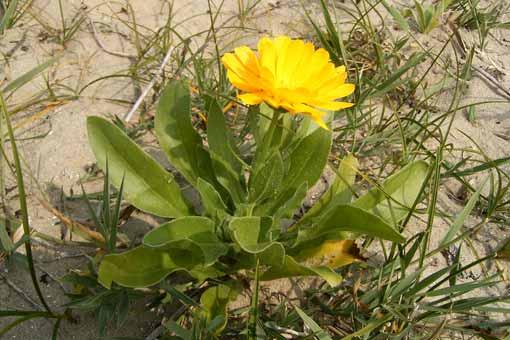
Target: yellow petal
(333, 106)
(250, 98)
(315, 114)
(341, 91)
(281, 45)
(267, 55)
(241, 83)
(291, 74)
(248, 58)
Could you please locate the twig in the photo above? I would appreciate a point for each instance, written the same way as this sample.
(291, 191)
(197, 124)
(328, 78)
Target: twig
(103, 47)
(21, 293)
(485, 75)
(71, 224)
(492, 80)
(149, 87)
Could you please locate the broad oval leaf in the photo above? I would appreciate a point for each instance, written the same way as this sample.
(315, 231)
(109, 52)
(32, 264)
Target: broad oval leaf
(144, 266)
(397, 194)
(308, 159)
(147, 185)
(211, 200)
(291, 268)
(251, 235)
(339, 192)
(351, 219)
(196, 230)
(176, 135)
(225, 160)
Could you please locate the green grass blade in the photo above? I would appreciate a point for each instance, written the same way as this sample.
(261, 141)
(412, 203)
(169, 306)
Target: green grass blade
(8, 16)
(318, 332)
(29, 76)
(459, 221)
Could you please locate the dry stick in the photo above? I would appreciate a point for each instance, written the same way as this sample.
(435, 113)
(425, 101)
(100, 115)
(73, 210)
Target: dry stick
(103, 47)
(71, 224)
(149, 87)
(486, 75)
(21, 293)
(492, 80)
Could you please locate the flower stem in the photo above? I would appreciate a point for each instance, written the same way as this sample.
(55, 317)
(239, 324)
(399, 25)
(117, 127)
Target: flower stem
(254, 310)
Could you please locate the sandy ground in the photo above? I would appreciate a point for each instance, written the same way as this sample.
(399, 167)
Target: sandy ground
(61, 158)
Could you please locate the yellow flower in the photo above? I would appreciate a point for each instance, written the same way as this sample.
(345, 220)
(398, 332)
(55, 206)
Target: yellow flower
(288, 74)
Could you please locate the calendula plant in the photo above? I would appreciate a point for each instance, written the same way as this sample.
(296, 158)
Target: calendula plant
(244, 222)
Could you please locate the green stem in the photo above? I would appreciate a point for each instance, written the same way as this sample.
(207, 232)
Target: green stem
(23, 204)
(254, 312)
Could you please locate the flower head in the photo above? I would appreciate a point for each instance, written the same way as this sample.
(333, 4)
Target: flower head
(289, 74)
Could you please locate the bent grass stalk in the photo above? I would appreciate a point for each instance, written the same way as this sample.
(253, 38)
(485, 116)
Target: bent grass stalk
(23, 204)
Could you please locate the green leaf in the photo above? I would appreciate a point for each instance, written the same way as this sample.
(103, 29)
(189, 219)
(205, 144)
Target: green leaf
(176, 135)
(215, 302)
(7, 17)
(148, 186)
(218, 136)
(196, 230)
(211, 199)
(348, 218)
(403, 188)
(395, 79)
(228, 178)
(340, 192)
(291, 268)
(399, 18)
(144, 266)
(292, 203)
(251, 235)
(479, 168)
(225, 161)
(307, 160)
(318, 332)
(266, 182)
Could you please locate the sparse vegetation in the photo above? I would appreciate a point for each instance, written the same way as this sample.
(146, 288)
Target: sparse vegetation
(418, 149)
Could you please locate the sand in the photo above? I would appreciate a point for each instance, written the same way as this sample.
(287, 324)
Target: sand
(60, 158)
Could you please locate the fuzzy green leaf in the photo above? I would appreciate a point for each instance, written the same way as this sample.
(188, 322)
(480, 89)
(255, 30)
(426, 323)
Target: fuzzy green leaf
(397, 194)
(308, 159)
(291, 268)
(196, 230)
(251, 235)
(211, 200)
(145, 266)
(340, 192)
(348, 218)
(177, 137)
(147, 185)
